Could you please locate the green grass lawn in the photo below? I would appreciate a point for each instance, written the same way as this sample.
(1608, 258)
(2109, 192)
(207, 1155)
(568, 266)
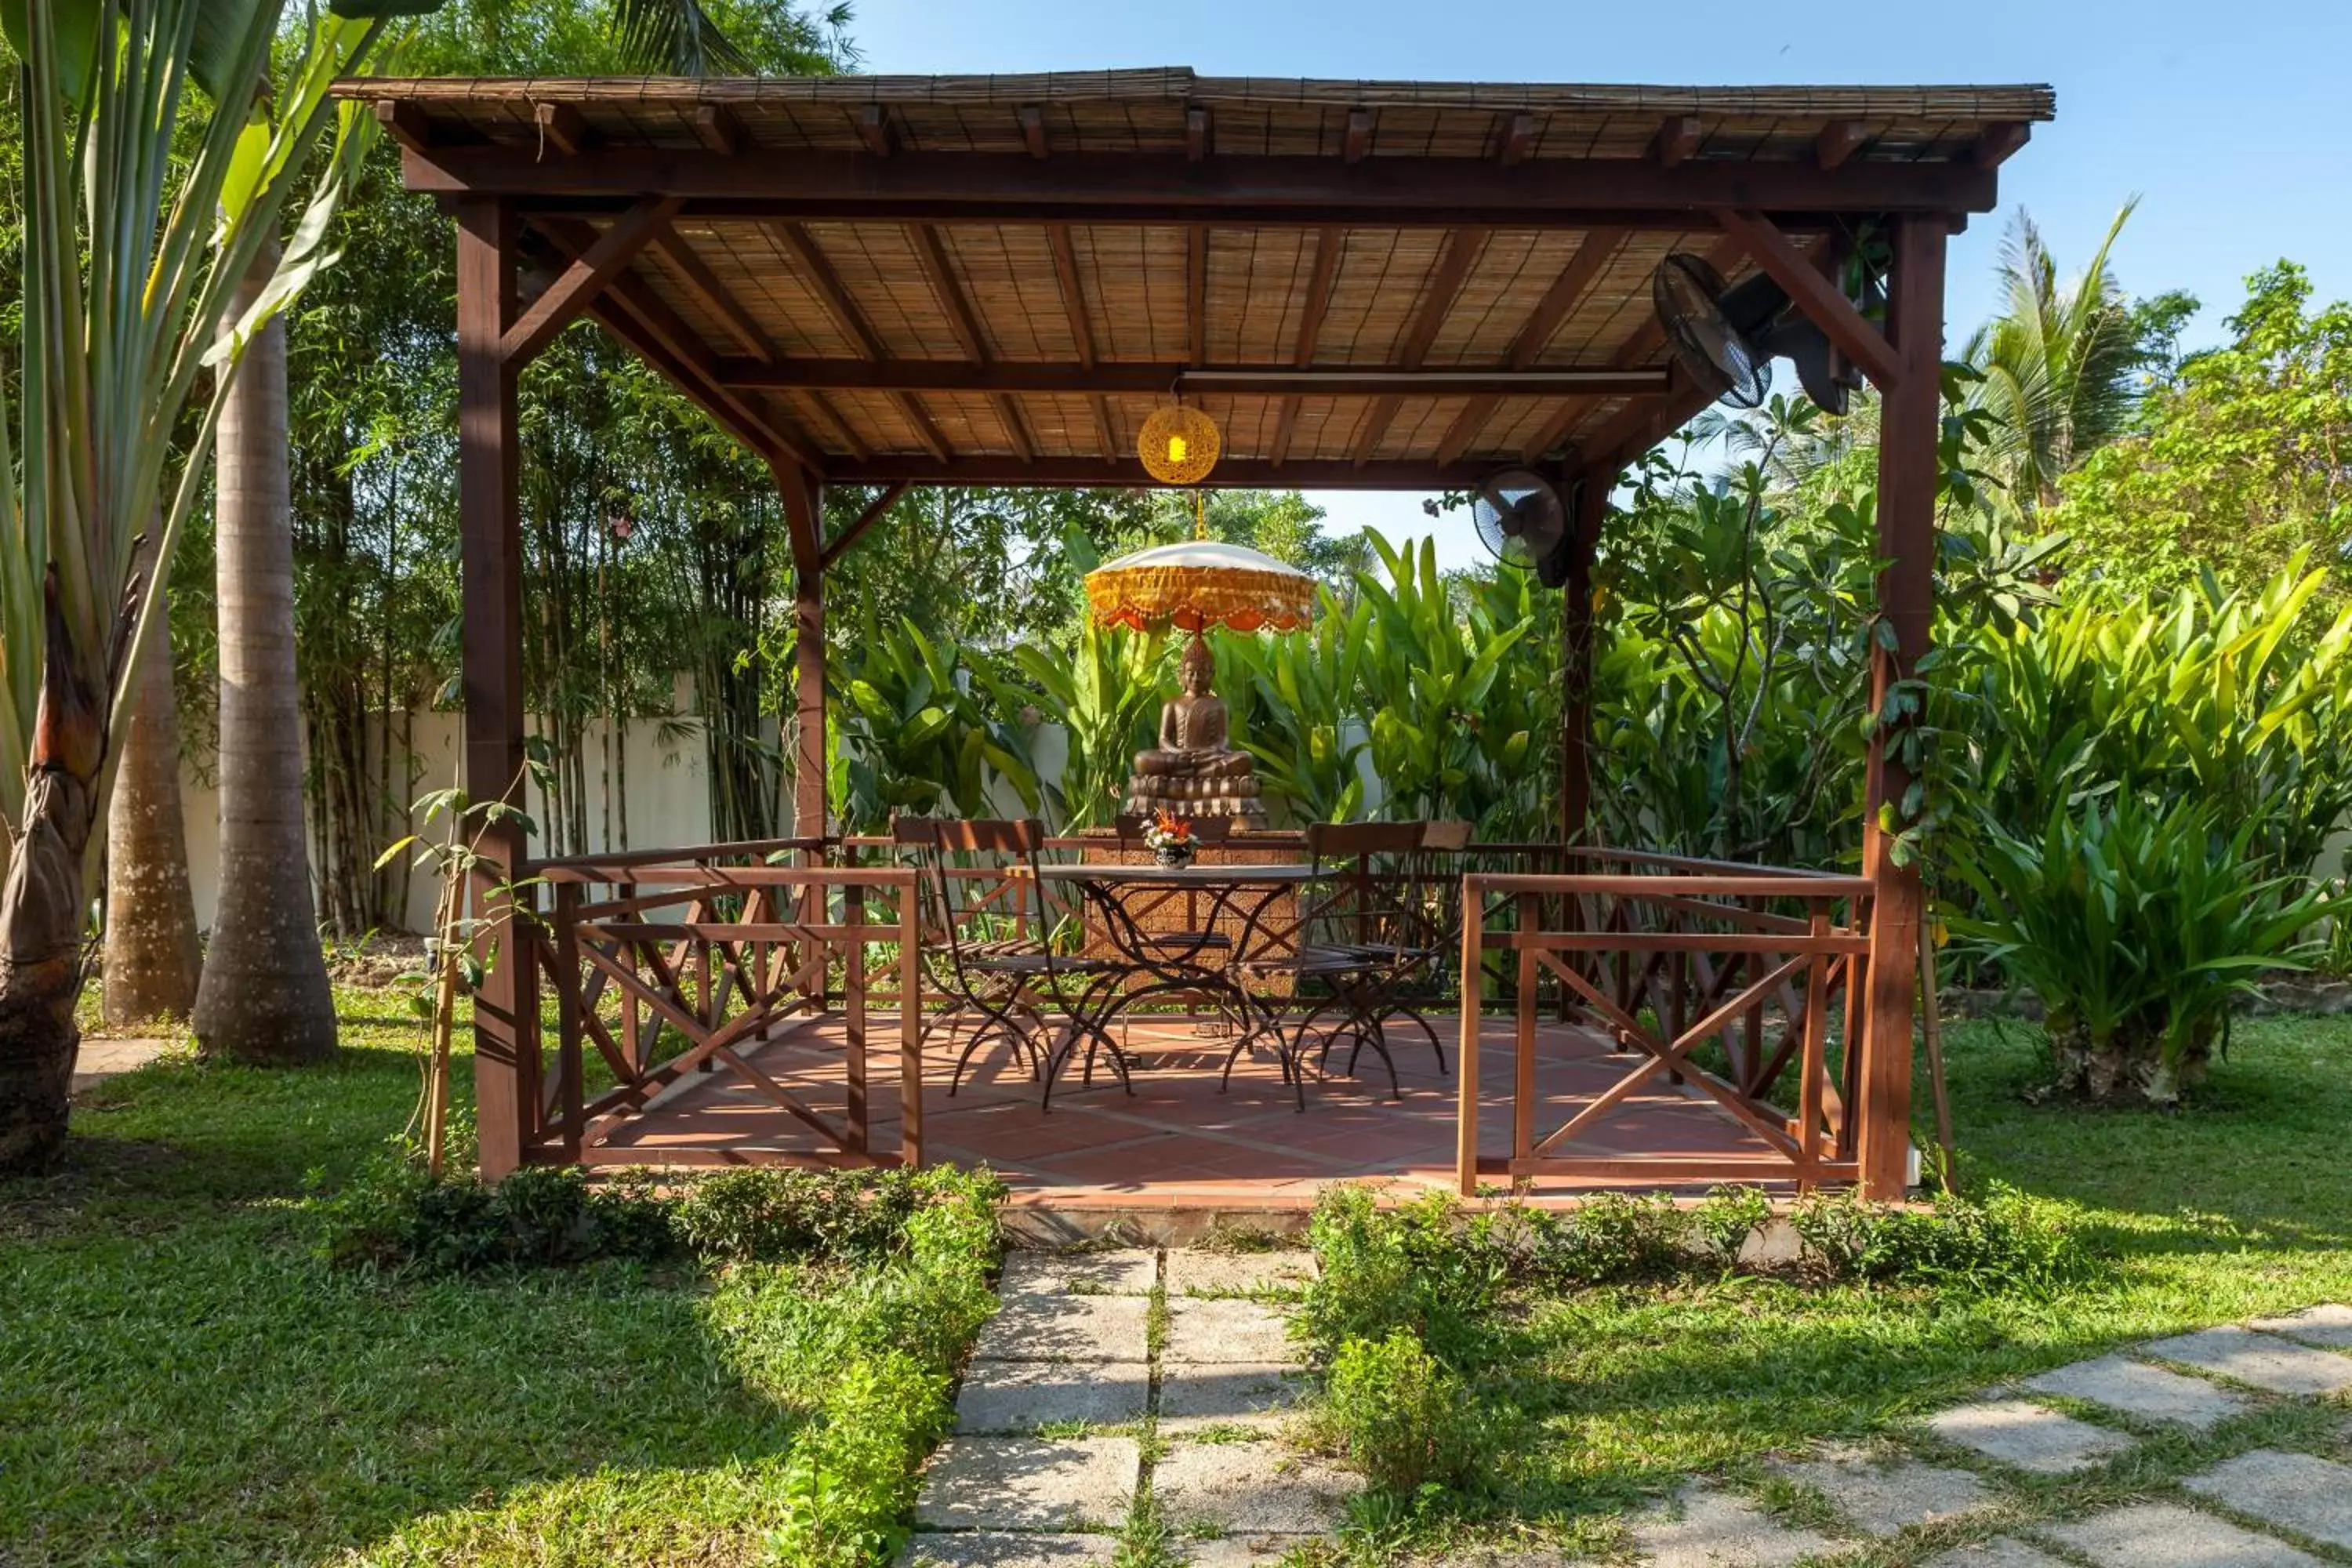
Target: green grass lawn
(2242, 1204)
(182, 1382)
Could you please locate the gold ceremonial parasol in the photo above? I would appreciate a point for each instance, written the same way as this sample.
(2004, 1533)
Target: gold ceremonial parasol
(1199, 582)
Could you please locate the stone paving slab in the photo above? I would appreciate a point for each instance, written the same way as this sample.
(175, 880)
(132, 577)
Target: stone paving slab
(1196, 1273)
(1194, 1394)
(1235, 1551)
(1884, 1497)
(2028, 1436)
(1129, 1271)
(2264, 1361)
(2330, 1326)
(2308, 1495)
(100, 1059)
(2136, 1388)
(1027, 1483)
(1022, 1396)
(1250, 1488)
(1717, 1530)
(1203, 1330)
(1067, 1327)
(2165, 1535)
(2000, 1552)
(1002, 1548)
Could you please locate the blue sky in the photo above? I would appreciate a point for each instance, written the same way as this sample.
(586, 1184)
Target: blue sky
(2229, 122)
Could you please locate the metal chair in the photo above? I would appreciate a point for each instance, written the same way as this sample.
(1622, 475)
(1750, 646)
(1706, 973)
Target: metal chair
(999, 972)
(1382, 928)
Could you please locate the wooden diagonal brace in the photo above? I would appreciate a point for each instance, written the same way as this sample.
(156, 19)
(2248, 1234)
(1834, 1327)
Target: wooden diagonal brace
(1823, 302)
(585, 279)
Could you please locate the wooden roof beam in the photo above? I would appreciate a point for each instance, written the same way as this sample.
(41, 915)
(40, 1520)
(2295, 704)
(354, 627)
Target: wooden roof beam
(874, 129)
(1997, 142)
(1328, 242)
(1677, 140)
(1645, 340)
(1593, 254)
(957, 309)
(405, 123)
(1838, 141)
(824, 280)
(1165, 188)
(716, 298)
(1196, 134)
(1028, 378)
(1196, 294)
(1454, 264)
(639, 318)
(1357, 144)
(716, 127)
(562, 129)
(1082, 331)
(1230, 473)
(590, 273)
(1032, 130)
(1517, 142)
(1823, 302)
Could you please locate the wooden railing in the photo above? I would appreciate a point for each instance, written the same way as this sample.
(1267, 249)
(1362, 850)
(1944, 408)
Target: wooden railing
(1724, 979)
(669, 962)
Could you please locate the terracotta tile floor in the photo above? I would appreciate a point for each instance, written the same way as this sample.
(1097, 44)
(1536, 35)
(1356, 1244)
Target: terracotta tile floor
(1177, 1139)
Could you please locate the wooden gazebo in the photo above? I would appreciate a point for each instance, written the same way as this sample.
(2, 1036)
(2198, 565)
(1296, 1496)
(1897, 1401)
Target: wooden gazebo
(992, 280)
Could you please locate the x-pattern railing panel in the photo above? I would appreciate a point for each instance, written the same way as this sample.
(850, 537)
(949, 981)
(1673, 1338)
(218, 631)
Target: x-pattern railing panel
(1689, 972)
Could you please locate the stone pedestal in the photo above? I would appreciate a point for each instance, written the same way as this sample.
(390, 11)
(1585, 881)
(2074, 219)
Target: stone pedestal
(1236, 797)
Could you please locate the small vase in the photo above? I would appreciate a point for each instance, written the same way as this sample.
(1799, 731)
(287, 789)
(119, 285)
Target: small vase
(1174, 855)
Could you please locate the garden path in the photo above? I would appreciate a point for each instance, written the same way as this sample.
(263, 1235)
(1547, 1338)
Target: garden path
(1138, 1396)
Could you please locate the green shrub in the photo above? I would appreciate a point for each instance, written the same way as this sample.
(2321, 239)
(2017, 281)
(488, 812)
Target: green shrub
(1617, 1236)
(757, 1213)
(2008, 1242)
(846, 1484)
(2139, 926)
(392, 1214)
(1406, 1419)
(1398, 1269)
(1726, 1218)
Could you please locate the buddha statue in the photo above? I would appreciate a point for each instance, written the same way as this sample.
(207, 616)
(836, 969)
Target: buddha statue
(1195, 771)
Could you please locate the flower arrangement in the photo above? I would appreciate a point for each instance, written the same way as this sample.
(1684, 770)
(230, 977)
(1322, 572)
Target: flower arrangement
(1169, 840)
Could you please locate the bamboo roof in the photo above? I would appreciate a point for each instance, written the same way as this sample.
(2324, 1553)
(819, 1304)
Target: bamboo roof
(993, 279)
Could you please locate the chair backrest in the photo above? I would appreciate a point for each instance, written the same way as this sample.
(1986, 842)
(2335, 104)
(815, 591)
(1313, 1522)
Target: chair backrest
(984, 836)
(1449, 836)
(1349, 840)
(915, 832)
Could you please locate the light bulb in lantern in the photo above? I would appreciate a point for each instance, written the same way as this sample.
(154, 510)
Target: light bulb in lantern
(1176, 449)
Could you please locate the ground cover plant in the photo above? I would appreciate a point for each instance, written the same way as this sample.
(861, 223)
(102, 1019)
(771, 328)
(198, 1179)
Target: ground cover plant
(185, 1380)
(1604, 1363)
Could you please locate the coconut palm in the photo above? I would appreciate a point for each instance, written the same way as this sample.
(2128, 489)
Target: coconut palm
(2062, 365)
(154, 175)
(264, 996)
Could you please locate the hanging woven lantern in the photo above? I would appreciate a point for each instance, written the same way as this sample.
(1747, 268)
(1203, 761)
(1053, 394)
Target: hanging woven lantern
(1178, 446)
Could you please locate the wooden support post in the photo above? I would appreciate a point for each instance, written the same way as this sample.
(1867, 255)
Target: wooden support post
(1592, 503)
(506, 1007)
(911, 1029)
(804, 497)
(1465, 1062)
(1910, 424)
(1523, 1049)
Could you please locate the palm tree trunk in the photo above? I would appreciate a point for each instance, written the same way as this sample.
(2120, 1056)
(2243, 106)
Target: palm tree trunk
(151, 953)
(264, 996)
(43, 903)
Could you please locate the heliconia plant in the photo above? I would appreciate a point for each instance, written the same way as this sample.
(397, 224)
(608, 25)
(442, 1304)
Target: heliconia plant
(2139, 924)
(162, 152)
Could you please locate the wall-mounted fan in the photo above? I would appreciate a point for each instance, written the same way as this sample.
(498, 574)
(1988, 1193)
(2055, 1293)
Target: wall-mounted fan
(1728, 337)
(1523, 519)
